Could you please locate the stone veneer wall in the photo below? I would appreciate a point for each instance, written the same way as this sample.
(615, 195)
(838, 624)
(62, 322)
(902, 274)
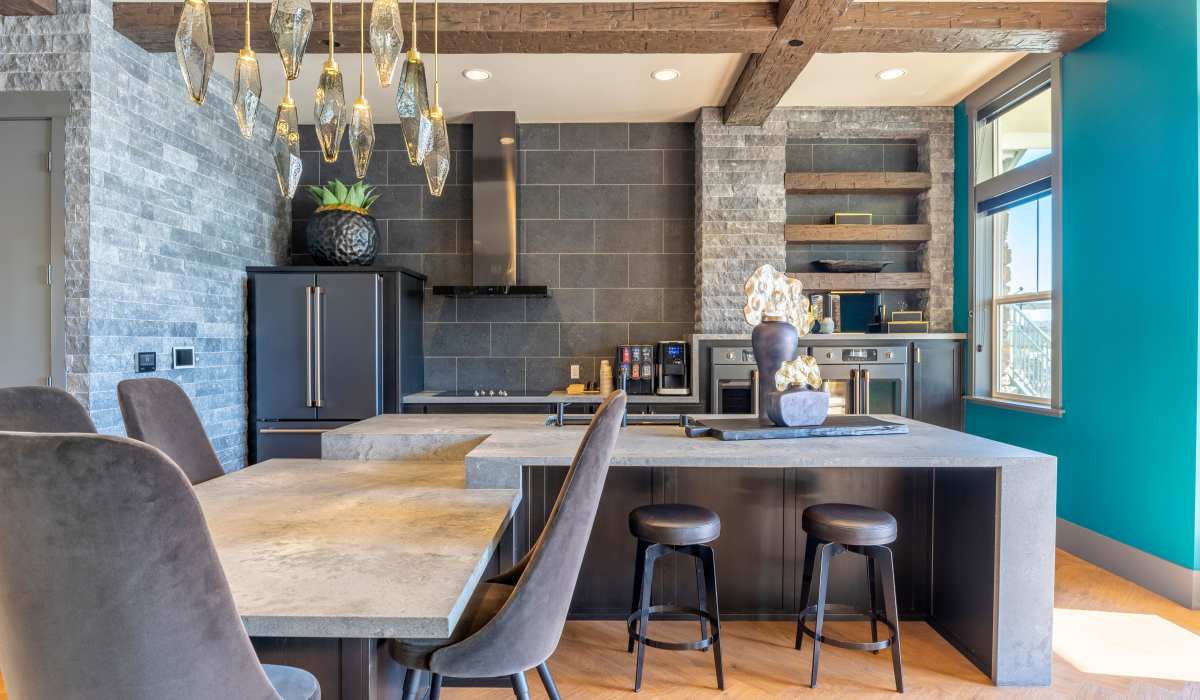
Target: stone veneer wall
(166, 206)
(605, 220)
(741, 206)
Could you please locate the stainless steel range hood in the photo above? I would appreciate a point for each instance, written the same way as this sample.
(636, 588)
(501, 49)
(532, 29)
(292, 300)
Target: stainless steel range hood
(494, 216)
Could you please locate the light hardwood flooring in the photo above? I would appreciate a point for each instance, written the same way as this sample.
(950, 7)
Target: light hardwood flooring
(1112, 639)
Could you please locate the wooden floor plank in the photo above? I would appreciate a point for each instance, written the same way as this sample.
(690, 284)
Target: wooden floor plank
(760, 663)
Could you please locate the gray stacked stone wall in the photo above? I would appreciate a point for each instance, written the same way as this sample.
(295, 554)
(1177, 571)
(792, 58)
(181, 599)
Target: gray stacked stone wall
(166, 206)
(742, 209)
(605, 220)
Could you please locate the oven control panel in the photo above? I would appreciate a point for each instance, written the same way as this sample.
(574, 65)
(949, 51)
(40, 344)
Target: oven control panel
(859, 356)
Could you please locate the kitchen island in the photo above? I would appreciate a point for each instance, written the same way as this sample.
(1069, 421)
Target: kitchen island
(975, 556)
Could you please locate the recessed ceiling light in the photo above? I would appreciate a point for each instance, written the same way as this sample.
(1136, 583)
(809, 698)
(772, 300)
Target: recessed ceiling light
(476, 74)
(891, 74)
(665, 74)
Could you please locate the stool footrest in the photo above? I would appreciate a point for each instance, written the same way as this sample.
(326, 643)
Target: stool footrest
(633, 619)
(857, 646)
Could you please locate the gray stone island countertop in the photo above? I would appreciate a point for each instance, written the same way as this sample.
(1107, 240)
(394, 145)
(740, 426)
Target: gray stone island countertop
(494, 448)
(353, 549)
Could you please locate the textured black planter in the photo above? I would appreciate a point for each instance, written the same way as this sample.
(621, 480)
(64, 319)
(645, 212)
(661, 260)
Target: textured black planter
(342, 237)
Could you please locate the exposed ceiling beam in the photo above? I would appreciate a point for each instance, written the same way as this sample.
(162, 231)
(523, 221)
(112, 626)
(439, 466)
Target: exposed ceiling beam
(803, 27)
(608, 27)
(1034, 27)
(659, 27)
(27, 7)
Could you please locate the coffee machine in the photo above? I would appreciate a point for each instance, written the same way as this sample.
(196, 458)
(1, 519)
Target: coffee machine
(672, 375)
(634, 369)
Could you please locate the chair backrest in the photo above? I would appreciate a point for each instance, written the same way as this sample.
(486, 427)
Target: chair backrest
(42, 409)
(526, 630)
(158, 412)
(110, 588)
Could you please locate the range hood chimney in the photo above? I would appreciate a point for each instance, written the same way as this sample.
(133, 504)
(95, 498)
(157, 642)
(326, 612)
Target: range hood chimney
(494, 216)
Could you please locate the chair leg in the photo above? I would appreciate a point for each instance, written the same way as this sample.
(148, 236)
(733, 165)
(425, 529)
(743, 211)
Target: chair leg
(412, 683)
(871, 596)
(639, 566)
(883, 557)
(435, 687)
(548, 681)
(701, 597)
(519, 686)
(810, 549)
(823, 556)
(710, 584)
(648, 558)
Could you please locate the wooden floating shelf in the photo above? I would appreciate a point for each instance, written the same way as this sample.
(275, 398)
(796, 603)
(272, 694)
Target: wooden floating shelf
(839, 183)
(857, 233)
(862, 280)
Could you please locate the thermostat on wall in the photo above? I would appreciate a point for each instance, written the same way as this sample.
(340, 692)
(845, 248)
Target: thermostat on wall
(185, 358)
(147, 362)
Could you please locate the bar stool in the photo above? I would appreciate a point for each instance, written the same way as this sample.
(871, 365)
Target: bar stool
(834, 528)
(684, 529)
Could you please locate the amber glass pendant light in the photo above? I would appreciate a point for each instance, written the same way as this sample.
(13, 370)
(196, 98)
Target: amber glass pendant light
(247, 85)
(291, 25)
(194, 48)
(387, 38)
(329, 109)
(362, 124)
(285, 144)
(412, 99)
(437, 160)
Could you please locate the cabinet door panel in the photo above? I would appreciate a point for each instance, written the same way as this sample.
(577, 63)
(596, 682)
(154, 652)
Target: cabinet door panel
(279, 311)
(937, 383)
(351, 353)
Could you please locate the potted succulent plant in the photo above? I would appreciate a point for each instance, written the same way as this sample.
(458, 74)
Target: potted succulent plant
(341, 231)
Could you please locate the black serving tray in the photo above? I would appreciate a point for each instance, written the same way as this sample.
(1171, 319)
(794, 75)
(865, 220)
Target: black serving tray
(834, 426)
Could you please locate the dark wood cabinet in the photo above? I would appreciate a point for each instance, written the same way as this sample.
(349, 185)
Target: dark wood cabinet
(937, 382)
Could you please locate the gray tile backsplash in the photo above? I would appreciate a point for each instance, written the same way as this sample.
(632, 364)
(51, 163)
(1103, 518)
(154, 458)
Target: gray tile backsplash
(605, 219)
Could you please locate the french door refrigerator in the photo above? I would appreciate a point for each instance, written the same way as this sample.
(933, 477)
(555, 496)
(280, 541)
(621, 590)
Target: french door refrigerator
(328, 347)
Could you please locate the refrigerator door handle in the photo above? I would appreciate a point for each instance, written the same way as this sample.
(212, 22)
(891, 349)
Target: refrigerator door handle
(320, 333)
(308, 346)
(866, 392)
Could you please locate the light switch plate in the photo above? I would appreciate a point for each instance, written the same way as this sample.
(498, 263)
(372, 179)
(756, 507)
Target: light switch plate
(184, 357)
(574, 371)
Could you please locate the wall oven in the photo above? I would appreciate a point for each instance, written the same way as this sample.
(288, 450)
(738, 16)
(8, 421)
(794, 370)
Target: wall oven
(733, 381)
(863, 381)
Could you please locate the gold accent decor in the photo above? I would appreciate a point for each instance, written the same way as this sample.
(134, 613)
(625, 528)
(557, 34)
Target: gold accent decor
(194, 48)
(412, 100)
(437, 160)
(362, 123)
(247, 85)
(329, 107)
(387, 38)
(342, 207)
(772, 293)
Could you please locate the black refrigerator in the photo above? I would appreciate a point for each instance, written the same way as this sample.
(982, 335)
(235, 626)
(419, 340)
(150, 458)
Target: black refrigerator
(327, 347)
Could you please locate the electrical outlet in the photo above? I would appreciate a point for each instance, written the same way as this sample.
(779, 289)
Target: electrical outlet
(574, 371)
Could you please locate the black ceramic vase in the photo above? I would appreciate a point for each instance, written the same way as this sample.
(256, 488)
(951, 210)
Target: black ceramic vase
(774, 342)
(342, 237)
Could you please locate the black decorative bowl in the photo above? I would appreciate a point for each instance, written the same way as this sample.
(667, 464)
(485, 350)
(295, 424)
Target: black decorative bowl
(342, 236)
(852, 265)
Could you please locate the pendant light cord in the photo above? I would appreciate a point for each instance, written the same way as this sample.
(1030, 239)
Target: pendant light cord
(414, 27)
(437, 103)
(247, 25)
(330, 31)
(362, 44)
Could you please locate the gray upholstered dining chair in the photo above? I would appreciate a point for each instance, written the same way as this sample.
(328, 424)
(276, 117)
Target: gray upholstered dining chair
(158, 412)
(112, 589)
(513, 621)
(42, 409)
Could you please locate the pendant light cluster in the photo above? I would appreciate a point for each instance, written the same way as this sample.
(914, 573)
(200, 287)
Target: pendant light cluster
(423, 125)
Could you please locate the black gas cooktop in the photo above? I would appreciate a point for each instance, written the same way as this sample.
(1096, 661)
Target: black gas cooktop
(492, 393)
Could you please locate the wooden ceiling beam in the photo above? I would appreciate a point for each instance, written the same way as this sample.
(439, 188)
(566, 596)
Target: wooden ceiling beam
(901, 27)
(600, 27)
(23, 8)
(803, 27)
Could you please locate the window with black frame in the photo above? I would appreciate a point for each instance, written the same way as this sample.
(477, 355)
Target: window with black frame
(1015, 237)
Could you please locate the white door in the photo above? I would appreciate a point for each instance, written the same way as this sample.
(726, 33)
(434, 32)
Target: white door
(25, 310)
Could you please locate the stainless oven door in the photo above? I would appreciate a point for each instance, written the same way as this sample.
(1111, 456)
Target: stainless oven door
(882, 389)
(736, 391)
(841, 381)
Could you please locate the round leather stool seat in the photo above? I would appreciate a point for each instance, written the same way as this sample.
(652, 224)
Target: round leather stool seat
(849, 524)
(675, 523)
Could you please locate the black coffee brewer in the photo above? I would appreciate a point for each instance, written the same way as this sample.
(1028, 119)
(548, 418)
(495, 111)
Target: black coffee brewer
(672, 373)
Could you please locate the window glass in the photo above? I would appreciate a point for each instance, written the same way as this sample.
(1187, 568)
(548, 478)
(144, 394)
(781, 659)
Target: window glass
(1023, 347)
(1015, 136)
(1023, 237)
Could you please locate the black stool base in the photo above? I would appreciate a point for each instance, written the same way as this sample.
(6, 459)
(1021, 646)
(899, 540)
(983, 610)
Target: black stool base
(707, 611)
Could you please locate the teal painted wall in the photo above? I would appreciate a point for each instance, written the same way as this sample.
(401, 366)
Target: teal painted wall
(1127, 446)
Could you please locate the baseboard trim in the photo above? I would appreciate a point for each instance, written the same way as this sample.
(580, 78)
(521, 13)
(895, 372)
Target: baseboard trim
(1168, 579)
